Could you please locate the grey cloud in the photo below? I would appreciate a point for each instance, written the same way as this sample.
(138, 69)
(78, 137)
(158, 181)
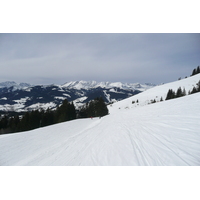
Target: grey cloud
(58, 58)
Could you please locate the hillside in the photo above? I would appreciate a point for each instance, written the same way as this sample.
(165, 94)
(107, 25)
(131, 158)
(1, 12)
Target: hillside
(164, 133)
(24, 97)
(156, 93)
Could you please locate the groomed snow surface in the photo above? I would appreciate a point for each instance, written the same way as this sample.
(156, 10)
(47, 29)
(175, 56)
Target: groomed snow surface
(164, 133)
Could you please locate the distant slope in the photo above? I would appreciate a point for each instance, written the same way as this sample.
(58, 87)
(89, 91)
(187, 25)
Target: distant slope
(165, 133)
(156, 93)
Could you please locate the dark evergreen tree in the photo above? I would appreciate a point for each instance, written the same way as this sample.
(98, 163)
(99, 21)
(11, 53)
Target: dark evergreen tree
(179, 93)
(170, 94)
(35, 119)
(184, 92)
(47, 118)
(90, 110)
(4, 125)
(198, 86)
(65, 112)
(193, 72)
(72, 111)
(25, 122)
(61, 112)
(101, 108)
(82, 112)
(95, 108)
(194, 90)
(196, 71)
(14, 123)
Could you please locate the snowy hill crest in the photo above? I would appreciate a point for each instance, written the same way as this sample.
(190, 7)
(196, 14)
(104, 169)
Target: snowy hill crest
(155, 94)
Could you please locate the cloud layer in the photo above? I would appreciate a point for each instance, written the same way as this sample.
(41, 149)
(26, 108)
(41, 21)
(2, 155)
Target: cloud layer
(58, 58)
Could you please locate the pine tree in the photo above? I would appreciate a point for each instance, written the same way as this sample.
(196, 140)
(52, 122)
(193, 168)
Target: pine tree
(25, 122)
(194, 90)
(65, 112)
(198, 86)
(179, 93)
(72, 111)
(5, 122)
(101, 108)
(198, 70)
(194, 72)
(184, 92)
(95, 108)
(14, 124)
(170, 94)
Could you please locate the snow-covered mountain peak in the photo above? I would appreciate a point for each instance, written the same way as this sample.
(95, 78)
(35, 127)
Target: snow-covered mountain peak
(94, 84)
(79, 84)
(8, 84)
(22, 85)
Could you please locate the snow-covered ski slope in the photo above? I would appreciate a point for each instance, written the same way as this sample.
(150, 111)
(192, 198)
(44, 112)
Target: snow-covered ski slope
(165, 133)
(155, 93)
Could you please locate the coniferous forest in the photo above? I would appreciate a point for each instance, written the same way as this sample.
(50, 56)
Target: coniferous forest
(40, 118)
(95, 108)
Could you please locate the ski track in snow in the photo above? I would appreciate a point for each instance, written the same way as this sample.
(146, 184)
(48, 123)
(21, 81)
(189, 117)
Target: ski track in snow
(134, 139)
(165, 133)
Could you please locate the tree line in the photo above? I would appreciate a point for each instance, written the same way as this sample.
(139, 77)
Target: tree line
(196, 71)
(180, 93)
(40, 118)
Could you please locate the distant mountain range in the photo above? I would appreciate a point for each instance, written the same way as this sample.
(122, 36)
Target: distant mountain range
(24, 97)
(13, 84)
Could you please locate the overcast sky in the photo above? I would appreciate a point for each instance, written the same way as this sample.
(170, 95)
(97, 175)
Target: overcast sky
(59, 58)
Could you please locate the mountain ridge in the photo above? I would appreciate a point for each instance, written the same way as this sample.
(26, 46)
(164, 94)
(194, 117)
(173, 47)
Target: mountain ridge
(80, 84)
(7, 84)
(25, 97)
(94, 84)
